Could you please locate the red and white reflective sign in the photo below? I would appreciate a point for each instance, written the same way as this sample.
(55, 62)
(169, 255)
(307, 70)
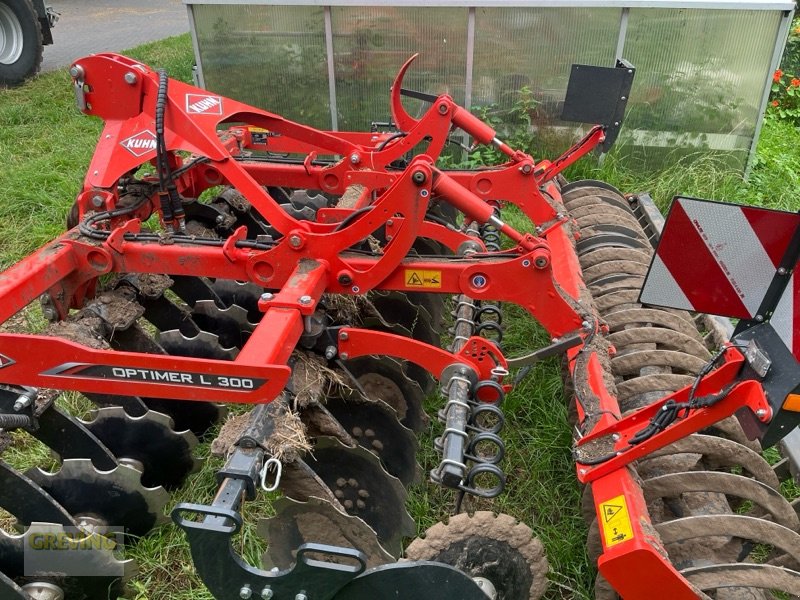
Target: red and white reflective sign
(720, 259)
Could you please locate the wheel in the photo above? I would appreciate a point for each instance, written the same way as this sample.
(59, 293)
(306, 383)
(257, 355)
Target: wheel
(20, 41)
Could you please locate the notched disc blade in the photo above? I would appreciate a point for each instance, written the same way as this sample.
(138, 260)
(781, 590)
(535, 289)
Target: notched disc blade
(23, 498)
(384, 379)
(242, 294)
(373, 424)
(316, 520)
(89, 574)
(203, 345)
(116, 498)
(165, 454)
(364, 489)
(229, 324)
(197, 417)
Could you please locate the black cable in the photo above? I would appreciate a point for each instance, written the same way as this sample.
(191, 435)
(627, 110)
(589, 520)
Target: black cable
(671, 410)
(596, 460)
(86, 226)
(665, 417)
(390, 139)
(197, 161)
(162, 162)
(352, 217)
(170, 200)
(659, 422)
(439, 220)
(461, 145)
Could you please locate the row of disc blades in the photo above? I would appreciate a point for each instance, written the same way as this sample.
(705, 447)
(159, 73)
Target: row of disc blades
(715, 502)
(712, 497)
(361, 427)
(360, 417)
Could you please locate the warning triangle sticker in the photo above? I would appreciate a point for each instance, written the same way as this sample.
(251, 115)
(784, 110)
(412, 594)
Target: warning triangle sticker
(609, 510)
(414, 280)
(5, 361)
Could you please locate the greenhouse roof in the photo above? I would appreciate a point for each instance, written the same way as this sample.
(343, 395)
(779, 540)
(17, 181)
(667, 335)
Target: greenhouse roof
(697, 4)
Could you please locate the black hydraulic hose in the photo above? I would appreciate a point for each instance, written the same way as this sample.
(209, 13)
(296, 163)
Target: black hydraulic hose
(352, 217)
(390, 139)
(171, 205)
(162, 162)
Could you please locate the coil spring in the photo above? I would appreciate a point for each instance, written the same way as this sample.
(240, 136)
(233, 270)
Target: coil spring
(470, 445)
(489, 323)
(490, 234)
(484, 449)
(489, 317)
(14, 421)
(465, 306)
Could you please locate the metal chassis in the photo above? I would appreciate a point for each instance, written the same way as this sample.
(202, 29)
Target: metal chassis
(313, 257)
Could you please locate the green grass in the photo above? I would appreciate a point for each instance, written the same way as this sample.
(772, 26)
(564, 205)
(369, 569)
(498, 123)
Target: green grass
(773, 183)
(47, 144)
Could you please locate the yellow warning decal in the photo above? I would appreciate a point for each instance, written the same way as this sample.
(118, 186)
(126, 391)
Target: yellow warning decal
(423, 279)
(616, 521)
(257, 129)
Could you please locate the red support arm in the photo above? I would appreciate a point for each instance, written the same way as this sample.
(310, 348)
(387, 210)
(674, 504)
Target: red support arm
(746, 394)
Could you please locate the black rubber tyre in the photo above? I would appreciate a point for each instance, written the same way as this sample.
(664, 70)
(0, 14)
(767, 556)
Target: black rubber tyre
(20, 41)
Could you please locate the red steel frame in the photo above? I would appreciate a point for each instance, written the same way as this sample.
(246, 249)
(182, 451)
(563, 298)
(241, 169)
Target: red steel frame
(541, 273)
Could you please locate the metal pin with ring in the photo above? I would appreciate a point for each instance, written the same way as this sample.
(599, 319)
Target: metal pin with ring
(271, 462)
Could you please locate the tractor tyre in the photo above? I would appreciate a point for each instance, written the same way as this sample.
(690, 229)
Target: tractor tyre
(21, 42)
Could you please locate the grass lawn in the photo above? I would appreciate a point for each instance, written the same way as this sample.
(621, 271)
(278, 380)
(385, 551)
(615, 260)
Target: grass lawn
(47, 145)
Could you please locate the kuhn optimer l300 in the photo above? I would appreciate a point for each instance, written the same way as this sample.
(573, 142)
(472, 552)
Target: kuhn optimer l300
(314, 281)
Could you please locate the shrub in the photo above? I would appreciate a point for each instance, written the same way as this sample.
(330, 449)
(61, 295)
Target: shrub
(790, 62)
(784, 101)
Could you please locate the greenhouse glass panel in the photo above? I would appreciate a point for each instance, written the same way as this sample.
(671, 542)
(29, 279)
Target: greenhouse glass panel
(272, 57)
(700, 78)
(535, 48)
(538, 47)
(371, 43)
(703, 69)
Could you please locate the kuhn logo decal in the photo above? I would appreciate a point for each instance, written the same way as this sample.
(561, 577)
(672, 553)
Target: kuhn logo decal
(199, 104)
(141, 143)
(5, 361)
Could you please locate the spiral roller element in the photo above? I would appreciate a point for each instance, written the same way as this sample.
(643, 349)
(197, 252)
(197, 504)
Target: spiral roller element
(470, 445)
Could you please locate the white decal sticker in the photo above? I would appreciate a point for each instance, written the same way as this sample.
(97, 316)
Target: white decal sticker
(140, 143)
(199, 104)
